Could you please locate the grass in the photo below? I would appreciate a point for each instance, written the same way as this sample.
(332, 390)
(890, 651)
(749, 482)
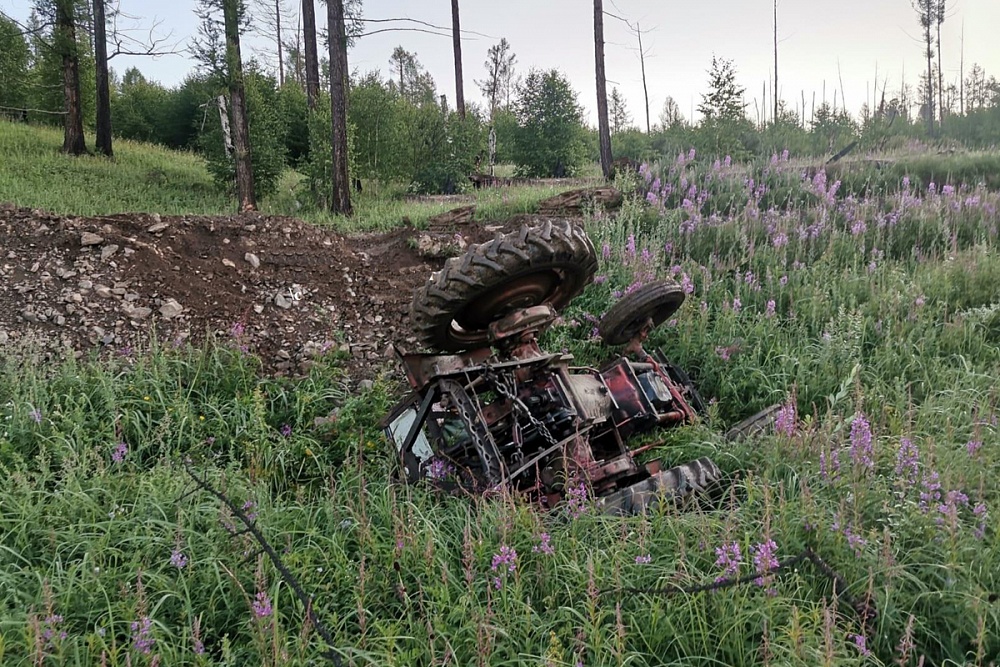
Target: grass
(876, 317)
(146, 178)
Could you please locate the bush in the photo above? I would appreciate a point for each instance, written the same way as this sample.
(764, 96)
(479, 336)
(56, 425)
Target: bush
(550, 136)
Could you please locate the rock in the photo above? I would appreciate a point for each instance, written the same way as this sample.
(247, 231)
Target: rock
(103, 291)
(4, 337)
(253, 259)
(282, 301)
(85, 284)
(257, 308)
(230, 263)
(366, 385)
(89, 239)
(171, 309)
(440, 246)
(107, 251)
(137, 312)
(157, 227)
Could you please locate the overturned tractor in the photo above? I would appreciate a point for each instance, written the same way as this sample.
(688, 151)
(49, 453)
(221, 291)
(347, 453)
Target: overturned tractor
(490, 409)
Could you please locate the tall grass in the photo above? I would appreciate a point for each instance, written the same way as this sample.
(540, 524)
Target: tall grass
(876, 318)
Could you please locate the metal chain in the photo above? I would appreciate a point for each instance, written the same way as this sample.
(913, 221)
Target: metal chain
(504, 390)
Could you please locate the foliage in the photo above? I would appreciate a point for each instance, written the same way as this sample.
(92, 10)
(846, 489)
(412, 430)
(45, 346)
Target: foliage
(549, 140)
(268, 133)
(14, 59)
(874, 315)
(139, 108)
(409, 79)
(618, 113)
(500, 76)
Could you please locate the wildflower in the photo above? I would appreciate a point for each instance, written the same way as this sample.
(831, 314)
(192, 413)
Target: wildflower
(907, 458)
(861, 441)
(764, 560)
(779, 240)
(600, 280)
(691, 154)
(931, 491)
(862, 644)
(769, 311)
(948, 190)
(577, 502)
(783, 281)
(606, 251)
(859, 227)
(687, 284)
(248, 508)
(52, 631)
(919, 301)
(286, 430)
(979, 511)
(142, 637)
(829, 465)
(972, 446)
(439, 469)
(723, 352)
(785, 419)
(737, 305)
(643, 560)
(854, 541)
(178, 559)
(262, 605)
(36, 415)
(729, 558)
(872, 266)
(119, 453)
(544, 546)
(784, 155)
(651, 197)
(198, 645)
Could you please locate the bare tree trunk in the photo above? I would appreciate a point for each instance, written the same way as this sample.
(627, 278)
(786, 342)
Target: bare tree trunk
(456, 39)
(961, 75)
(238, 108)
(775, 91)
(603, 128)
(930, 79)
(312, 57)
(103, 89)
(940, 80)
(281, 59)
(341, 201)
(73, 140)
(642, 65)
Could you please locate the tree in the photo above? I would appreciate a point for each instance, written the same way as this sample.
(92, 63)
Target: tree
(270, 14)
(927, 15)
(670, 114)
(977, 88)
(549, 138)
(603, 129)
(620, 119)
(499, 73)
(724, 101)
(940, 10)
(64, 16)
(341, 200)
(103, 140)
(14, 60)
(312, 57)
(456, 38)
(415, 85)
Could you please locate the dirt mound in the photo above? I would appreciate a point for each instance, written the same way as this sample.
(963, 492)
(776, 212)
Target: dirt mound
(281, 288)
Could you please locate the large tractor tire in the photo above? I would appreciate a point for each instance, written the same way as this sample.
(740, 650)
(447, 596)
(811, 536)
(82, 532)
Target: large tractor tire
(548, 263)
(653, 302)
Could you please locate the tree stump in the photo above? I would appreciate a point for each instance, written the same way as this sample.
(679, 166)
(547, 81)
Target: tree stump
(575, 201)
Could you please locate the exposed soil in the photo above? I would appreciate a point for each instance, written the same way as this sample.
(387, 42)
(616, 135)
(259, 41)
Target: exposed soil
(284, 289)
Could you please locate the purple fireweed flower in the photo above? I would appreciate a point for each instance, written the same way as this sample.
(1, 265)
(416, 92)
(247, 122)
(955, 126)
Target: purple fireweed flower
(262, 605)
(770, 310)
(439, 469)
(907, 459)
(861, 441)
(919, 301)
(36, 415)
(643, 560)
(784, 155)
(931, 492)
(972, 446)
(979, 511)
(723, 352)
(948, 190)
(600, 280)
(786, 418)
(630, 246)
(737, 305)
(729, 558)
(286, 430)
(606, 251)
(651, 197)
(779, 240)
(142, 635)
(854, 541)
(783, 281)
(178, 559)
(859, 227)
(504, 561)
(52, 632)
(764, 560)
(248, 508)
(691, 154)
(829, 464)
(544, 545)
(577, 500)
(862, 644)
(687, 284)
(120, 452)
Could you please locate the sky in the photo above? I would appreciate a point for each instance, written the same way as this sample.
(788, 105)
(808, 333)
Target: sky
(819, 42)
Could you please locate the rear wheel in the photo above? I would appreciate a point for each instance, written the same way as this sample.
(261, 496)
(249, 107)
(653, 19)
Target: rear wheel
(548, 264)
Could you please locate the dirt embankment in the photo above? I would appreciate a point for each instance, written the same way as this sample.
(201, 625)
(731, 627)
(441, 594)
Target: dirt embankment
(284, 289)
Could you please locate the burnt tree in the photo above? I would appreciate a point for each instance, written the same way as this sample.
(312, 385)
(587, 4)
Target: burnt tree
(312, 56)
(456, 38)
(603, 127)
(66, 44)
(238, 108)
(341, 200)
(103, 141)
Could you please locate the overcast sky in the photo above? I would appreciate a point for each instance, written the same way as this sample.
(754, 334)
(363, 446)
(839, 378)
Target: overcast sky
(818, 41)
